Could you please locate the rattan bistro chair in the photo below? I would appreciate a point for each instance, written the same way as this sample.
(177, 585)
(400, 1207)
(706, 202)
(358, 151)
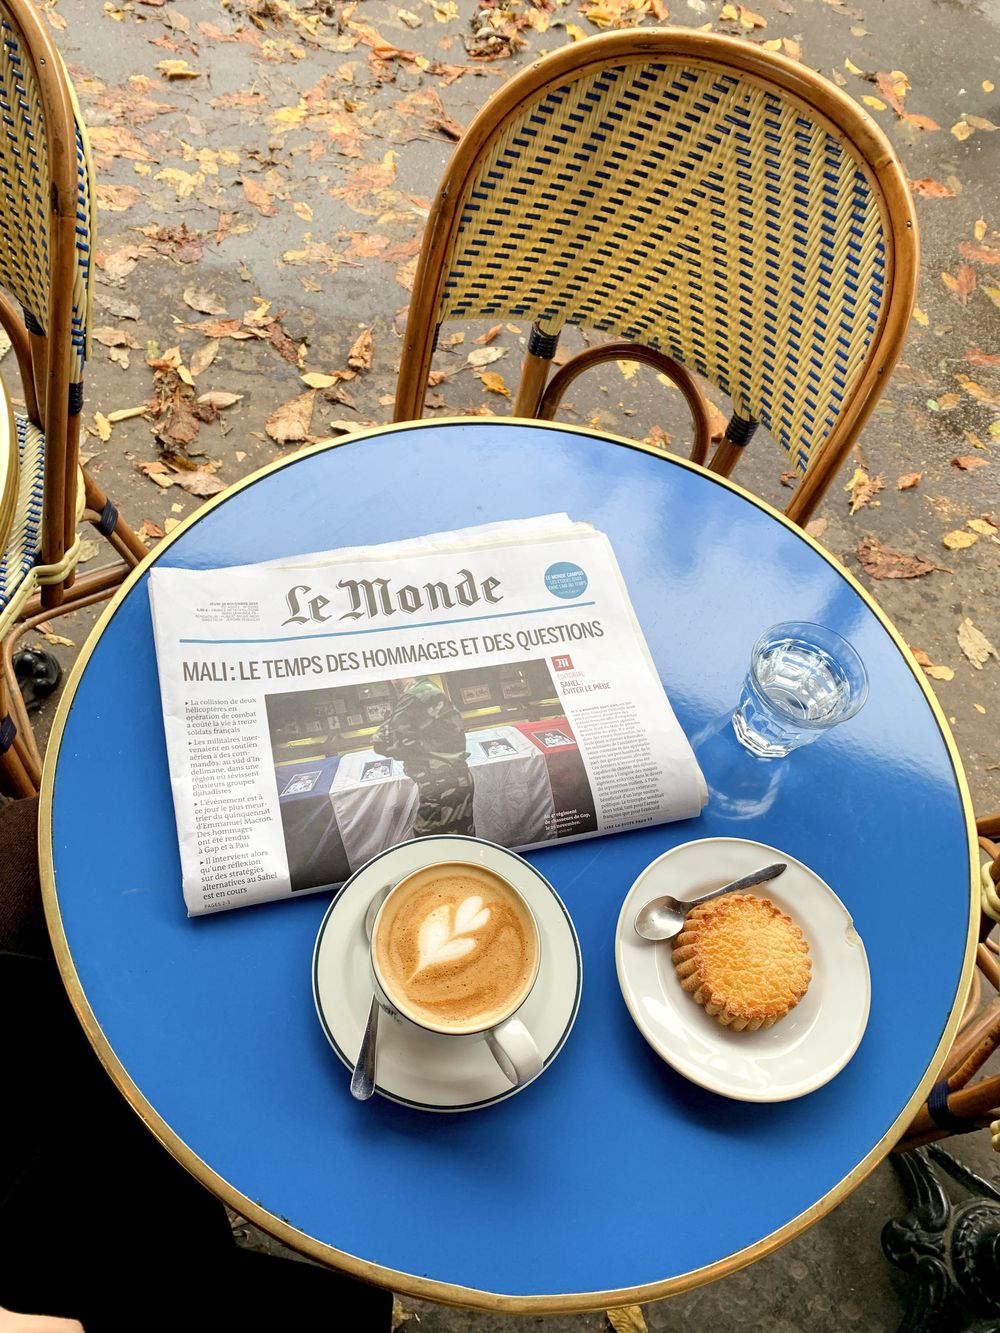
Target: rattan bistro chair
(725, 208)
(956, 1105)
(46, 203)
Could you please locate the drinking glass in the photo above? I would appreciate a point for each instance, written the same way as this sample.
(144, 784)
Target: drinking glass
(803, 680)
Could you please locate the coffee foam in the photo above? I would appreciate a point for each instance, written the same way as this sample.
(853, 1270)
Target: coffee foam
(456, 948)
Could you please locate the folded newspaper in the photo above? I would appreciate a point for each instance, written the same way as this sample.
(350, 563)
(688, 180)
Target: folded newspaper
(490, 681)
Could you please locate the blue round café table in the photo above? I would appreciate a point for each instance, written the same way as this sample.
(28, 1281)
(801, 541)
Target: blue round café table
(612, 1178)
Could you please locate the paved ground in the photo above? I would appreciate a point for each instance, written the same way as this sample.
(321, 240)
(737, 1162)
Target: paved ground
(265, 172)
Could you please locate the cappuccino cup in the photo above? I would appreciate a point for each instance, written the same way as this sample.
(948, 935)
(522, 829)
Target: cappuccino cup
(455, 951)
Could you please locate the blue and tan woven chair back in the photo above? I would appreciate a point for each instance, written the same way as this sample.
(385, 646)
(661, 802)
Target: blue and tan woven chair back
(46, 201)
(694, 195)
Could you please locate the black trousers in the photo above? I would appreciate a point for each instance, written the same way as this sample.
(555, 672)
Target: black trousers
(97, 1221)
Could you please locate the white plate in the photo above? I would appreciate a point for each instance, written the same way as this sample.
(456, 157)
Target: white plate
(802, 1051)
(421, 1069)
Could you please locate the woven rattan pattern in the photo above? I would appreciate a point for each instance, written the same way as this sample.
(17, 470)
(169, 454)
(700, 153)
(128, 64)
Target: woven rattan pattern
(24, 185)
(694, 210)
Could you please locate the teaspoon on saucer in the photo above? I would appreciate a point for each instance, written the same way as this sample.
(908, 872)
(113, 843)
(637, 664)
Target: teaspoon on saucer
(363, 1078)
(663, 918)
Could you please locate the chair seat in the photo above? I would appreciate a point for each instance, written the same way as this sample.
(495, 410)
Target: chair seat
(20, 555)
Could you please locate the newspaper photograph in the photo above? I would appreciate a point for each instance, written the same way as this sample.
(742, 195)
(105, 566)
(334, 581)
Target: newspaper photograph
(492, 682)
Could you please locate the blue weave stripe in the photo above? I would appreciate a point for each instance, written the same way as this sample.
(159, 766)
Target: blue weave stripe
(696, 212)
(27, 533)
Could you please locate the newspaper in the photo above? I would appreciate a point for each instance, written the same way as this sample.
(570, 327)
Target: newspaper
(490, 681)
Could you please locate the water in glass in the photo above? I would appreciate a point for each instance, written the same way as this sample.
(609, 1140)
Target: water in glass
(794, 692)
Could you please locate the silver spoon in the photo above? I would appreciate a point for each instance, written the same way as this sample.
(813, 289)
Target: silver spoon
(663, 918)
(363, 1078)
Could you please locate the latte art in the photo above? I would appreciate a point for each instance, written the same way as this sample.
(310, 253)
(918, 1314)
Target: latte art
(456, 948)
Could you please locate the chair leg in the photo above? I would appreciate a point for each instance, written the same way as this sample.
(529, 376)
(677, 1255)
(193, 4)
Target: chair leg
(16, 779)
(535, 371)
(738, 435)
(25, 741)
(110, 523)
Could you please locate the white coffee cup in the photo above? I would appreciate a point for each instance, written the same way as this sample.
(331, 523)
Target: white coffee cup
(443, 918)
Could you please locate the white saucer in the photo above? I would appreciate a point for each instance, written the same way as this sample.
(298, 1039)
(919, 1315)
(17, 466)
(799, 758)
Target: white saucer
(802, 1051)
(421, 1069)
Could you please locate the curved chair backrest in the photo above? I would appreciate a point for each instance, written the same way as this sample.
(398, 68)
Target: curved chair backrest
(46, 203)
(695, 194)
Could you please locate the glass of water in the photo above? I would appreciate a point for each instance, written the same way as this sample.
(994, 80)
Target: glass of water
(803, 680)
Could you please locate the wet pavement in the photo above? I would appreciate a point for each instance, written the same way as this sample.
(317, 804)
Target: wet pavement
(265, 171)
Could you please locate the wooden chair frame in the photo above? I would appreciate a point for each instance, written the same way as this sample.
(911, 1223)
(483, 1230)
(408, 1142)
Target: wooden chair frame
(841, 116)
(961, 1106)
(53, 400)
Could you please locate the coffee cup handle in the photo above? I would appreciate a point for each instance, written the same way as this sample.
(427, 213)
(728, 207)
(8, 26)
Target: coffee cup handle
(514, 1049)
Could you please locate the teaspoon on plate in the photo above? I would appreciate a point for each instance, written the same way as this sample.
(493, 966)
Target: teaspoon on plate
(663, 918)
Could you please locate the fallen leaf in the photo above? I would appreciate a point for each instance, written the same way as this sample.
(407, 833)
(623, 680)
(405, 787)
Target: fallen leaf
(879, 562)
(258, 196)
(219, 398)
(149, 530)
(494, 383)
(126, 413)
(200, 481)
(983, 526)
(981, 123)
(959, 540)
(360, 355)
(629, 1318)
(875, 103)
(289, 423)
(983, 254)
(921, 122)
(204, 301)
(974, 644)
(817, 526)
(963, 284)
(55, 639)
(176, 69)
(852, 68)
(931, 189)
(940, 672)
(988, 85)
(204, 356)
(315, 380)
(979, 230)
(862, 488)
(485, 338)
(103, 427)
(961, 130)
(483, 356)
(969, 461)
(920, 316)
(117, 198)
(908, 481)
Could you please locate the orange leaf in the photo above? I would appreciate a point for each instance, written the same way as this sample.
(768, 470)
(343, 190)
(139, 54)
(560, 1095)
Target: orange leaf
(931, 189)
(258, 196)
(360, 355)
(289, 423)
(488, 336)
(963, 284)
(909, 480)
(494, 382)
(968, 461)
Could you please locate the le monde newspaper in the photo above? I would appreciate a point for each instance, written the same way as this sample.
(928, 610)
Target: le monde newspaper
(492, 681)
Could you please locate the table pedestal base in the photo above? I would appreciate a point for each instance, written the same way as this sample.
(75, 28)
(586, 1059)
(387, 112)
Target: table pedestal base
(952, 1250)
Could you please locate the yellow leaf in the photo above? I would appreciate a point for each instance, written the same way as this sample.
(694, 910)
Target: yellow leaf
(315, 380)
(994, 294)
(988, 85)
(920, 316)
(730, 13)
(628, 1319)
(170, 523)
(494, 383)
(302, 210)
(576, 33)
(185, 374)
(983, 526)
(176, 69)
(959, 540)
(124, 413)
(56, 638)
(979, 708)
(852, 68)
(184, 182)
(629, 369)
(773, 45)
(993, 430)
(874, 103)
(940, 672)
(980, 229)
(961, 130)
(103, 427)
